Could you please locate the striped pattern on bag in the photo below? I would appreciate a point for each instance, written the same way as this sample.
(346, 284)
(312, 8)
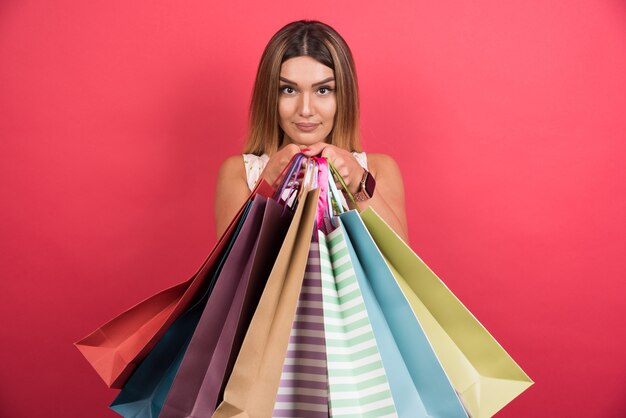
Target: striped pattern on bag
(303, 390)
(358, 384)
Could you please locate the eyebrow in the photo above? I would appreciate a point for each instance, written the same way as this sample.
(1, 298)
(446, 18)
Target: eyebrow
(326, 80)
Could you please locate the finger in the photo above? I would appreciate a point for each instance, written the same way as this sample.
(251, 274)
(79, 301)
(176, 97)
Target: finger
(329, 152)
(338, 162)
(292, 149)
(288, 152)
(339, 186)
(314, 149)
(343, 171)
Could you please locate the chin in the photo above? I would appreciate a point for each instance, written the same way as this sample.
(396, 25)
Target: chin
(307, 139)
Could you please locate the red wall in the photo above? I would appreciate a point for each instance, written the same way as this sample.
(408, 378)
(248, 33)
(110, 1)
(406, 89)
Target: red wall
(507, 119)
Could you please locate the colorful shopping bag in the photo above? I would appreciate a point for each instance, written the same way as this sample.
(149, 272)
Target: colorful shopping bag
(418, 382)
(145, 391)
(253, 385)
(303, 388)
(219, 334)
(115, 349)
(357, 381)
(485, 376)
(273, 231)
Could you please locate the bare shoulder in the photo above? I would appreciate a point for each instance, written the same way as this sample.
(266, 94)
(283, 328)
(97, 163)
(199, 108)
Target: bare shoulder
(231, 191)
(232, 174)
(232, 168)
(382, 164)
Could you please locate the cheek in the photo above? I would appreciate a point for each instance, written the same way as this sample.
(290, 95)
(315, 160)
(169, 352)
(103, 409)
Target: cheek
(284, 109)
(330, 110)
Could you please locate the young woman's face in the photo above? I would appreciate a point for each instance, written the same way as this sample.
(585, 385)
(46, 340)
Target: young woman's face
(307, 102)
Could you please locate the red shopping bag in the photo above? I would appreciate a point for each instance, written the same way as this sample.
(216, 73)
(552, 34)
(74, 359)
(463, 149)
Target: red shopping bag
(115, 348)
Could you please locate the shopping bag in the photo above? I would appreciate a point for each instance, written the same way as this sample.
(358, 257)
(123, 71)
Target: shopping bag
(115, 349)
(253, 385)
(144, 393)
(485, 376)
(303, 388)
(418, 382)
(273, 231)
(222, 326)
(357, 382)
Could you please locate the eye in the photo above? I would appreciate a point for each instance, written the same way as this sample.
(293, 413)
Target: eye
(325, 90)
(287, 89)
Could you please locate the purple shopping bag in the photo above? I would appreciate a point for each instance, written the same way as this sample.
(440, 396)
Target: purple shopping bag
(303, 389)
(220, 331)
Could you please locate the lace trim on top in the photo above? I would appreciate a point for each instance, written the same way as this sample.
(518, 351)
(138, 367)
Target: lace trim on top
(254, 165)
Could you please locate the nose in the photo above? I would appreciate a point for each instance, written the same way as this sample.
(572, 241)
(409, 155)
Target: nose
(306, 105)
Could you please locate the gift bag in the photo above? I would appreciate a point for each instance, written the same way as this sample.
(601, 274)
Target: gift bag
(253, 385)
(485, 376)
(418, 382)
(357, 382)
(144, 393)
(219, 334)
(303, 388)
(115, 349)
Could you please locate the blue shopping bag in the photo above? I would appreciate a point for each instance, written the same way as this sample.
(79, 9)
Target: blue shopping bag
(418, 383)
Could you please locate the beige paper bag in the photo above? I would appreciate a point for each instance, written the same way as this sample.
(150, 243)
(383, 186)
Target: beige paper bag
(253, 385)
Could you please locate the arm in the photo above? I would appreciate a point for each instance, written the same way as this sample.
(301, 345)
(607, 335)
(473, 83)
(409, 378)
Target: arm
(388, 199)
(231, 192)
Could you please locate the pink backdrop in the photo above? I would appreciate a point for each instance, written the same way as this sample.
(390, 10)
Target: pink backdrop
(507, 119)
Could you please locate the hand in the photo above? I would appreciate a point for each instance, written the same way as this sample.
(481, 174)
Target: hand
(347, 166)
(278, 161)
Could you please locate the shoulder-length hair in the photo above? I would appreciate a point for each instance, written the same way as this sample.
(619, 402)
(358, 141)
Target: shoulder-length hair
(322, 43)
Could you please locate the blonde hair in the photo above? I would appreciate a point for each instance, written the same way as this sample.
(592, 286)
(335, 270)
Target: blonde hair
(322, 43)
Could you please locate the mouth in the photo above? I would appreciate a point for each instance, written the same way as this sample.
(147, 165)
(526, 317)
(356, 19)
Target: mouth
(307, 127)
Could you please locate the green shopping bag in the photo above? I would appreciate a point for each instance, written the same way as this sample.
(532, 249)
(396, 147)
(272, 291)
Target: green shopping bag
(357, 382)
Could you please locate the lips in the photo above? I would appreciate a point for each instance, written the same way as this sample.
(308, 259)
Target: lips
(307, 126)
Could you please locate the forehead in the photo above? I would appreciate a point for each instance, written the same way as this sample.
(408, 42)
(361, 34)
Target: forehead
(305, 70)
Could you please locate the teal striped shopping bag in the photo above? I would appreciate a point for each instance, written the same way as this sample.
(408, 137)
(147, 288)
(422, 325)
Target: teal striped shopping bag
(357, 382)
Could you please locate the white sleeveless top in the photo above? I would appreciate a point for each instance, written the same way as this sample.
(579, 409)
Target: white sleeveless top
(255, 164)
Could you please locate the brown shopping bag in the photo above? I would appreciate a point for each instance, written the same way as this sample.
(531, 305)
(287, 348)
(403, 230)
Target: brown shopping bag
(253, 385)
(115, 349)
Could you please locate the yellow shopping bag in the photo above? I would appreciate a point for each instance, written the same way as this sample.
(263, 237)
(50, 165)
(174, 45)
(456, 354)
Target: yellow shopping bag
(483, 374)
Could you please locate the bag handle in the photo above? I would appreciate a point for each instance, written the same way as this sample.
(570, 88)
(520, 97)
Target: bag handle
(342, 182)
(334, 198)
(288, 175)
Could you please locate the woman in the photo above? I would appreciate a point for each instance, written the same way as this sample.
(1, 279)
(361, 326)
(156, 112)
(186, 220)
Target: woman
(306, 100)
